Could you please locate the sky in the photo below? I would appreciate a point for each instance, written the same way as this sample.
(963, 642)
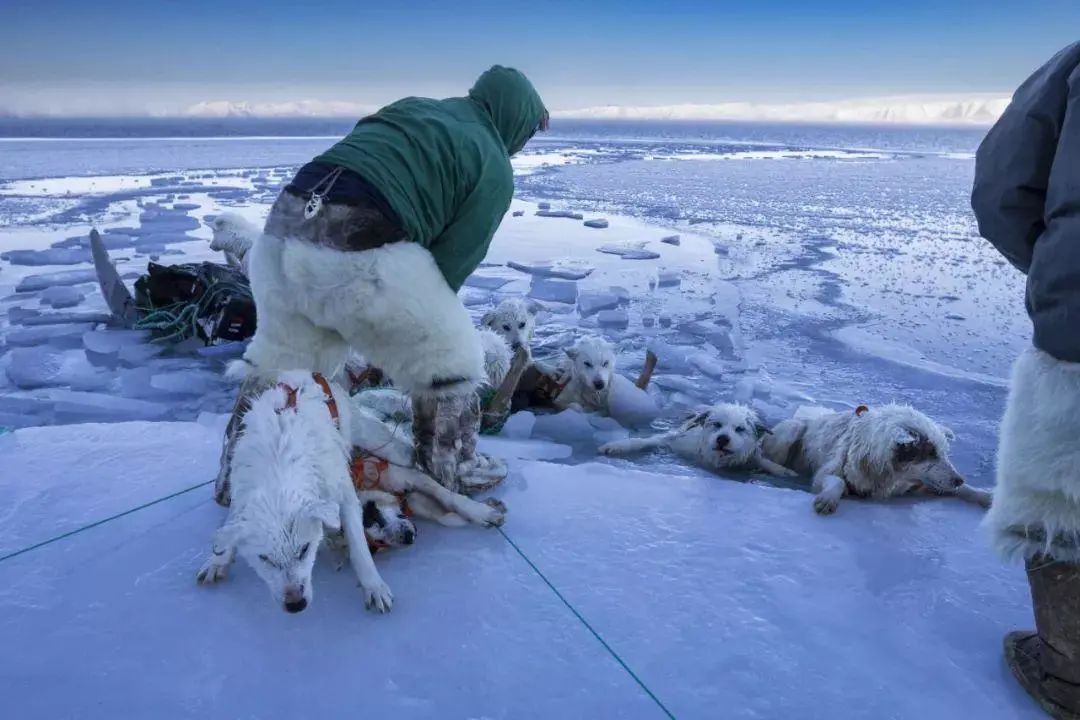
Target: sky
(113, 57)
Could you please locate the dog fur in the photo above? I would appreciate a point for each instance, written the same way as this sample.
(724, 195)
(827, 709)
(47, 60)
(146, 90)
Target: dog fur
(586, 372)
(515, 320)
(289, 484)
(725, 437)
(1036, 508)
(234, 235)
(390, 303)
(882, 452)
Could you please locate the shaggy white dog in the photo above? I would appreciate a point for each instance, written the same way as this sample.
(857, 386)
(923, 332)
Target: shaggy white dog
(290, 483)
(879, 452)
(582, 379)
(1036, 506)
(314, 302)
(234, 236)
(726, 436)
(515, 320)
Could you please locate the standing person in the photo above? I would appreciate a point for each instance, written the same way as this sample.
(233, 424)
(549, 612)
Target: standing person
(369, 244)
(1027, 201)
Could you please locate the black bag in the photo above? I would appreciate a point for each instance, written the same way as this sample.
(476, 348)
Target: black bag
(204, 300)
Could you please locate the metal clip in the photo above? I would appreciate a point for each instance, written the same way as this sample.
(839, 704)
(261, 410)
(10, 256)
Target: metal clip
(314, 205)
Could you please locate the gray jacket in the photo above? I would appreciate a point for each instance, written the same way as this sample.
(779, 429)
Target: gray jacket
(1027, 197)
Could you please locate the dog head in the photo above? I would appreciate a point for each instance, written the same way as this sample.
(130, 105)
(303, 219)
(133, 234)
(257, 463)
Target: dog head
(280, 543)
(515, 320)
(905, 448)
(385, 523)
(728, 434)
(592, 363)
(232, 232)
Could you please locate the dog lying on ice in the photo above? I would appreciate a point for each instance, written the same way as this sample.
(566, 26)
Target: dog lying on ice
(289, 483)
(391, 495)
(724, 437)
(515, 320)
(880, 452)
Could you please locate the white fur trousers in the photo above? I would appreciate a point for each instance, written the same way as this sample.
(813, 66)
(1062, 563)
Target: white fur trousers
(1036, 507)
(391, 304)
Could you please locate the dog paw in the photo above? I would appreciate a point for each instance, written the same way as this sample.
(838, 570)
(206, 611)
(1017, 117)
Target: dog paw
(211, 572)
(825, 505)
(609, 449)
(377, 596)
(789, 473)
(495, 515)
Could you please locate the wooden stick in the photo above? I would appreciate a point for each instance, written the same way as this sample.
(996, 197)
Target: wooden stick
(500, 402)
(647, 371)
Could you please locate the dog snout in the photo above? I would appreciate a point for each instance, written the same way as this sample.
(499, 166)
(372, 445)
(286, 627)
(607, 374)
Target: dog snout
(722, 441)
(408, 537)
(598, 384)
(516, 345)
(294, 598)
(956, 480)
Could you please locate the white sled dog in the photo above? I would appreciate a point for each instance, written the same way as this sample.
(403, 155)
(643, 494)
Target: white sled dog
(515, 320)
(290, 483)
(726, 436)
(879, 452)
(234, 236)
(581, 380)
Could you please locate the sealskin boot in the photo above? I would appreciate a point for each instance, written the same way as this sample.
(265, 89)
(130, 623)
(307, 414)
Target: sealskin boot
(1047, 662)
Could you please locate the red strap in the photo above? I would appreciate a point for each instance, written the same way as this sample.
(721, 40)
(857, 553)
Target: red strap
(290, 397)
(367, 471)
(331, 404)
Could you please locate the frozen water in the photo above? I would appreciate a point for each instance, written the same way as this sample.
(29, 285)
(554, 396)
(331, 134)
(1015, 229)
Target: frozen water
(64, 277)
(29, 368)
(52, 256)
(594, 302)
(474, 296)
(79, 407)
(562, 270)
(486, 282)
(54, 335)
(61, 297)
(519, 426)
(560, 291)
(629, 405)
(570, 214)
(629, 251)
(671, 240)
(613, 319)
(598, 223)
(111, 342)
(668, 278)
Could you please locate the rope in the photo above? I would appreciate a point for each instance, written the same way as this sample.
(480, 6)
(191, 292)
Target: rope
(179, 321)
(98, 523)
(588, 627)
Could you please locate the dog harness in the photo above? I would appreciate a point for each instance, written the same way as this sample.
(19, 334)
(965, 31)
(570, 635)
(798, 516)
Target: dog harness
(331, 404)
(366, 471)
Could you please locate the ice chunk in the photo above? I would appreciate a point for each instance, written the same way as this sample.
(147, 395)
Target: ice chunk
(560, 291)
(648, 321)
(222, 350)
(668, 278)
(486, 282)
(618, 319)
(543, 206)
(64, 277)
(629, 251)
(568, 426)
(562, 270)
(671, 240)
(28, 317)
(570, 214)
(110, 342)
(38, 367)
(61, 297)
(52, 256)
(184, 207)
(598, 223)
(591, 303)
(629, 405)
(54, 335)
(665, 321)
(518, 213)
(186, 382)
(519, 426)
(471, 296)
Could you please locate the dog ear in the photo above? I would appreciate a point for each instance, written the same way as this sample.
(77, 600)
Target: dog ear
(488, 320)
(327, 513)
(949, 434)
(532, 307)
(571, 353)
(696, 420)
(761, 430)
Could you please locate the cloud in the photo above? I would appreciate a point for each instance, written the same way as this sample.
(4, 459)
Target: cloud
(969, 109)
(298, 108)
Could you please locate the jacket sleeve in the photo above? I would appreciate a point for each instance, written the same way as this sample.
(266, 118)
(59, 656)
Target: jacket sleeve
(462, 245)
(1014, 161)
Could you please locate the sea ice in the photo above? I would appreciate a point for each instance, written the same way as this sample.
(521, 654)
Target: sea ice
(598, 223)
(629, 251)
(61, 296)
(64, 277)
(52, 256)
(560, 291)
(562, 270)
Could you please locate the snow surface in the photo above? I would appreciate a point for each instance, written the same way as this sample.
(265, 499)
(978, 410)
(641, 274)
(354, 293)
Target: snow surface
(847, 272)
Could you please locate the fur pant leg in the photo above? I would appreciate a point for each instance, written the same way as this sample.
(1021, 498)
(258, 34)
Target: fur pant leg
(1036, 506)
(440, 437)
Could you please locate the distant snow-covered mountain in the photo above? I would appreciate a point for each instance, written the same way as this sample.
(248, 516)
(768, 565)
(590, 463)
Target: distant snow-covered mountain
(909, 109)
(299, 108)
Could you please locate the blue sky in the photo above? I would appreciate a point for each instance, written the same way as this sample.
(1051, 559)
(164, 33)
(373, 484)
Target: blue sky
(163, 55)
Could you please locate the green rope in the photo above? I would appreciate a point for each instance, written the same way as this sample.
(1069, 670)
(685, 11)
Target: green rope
(179, 321)
(585, 622)
(97, 523)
